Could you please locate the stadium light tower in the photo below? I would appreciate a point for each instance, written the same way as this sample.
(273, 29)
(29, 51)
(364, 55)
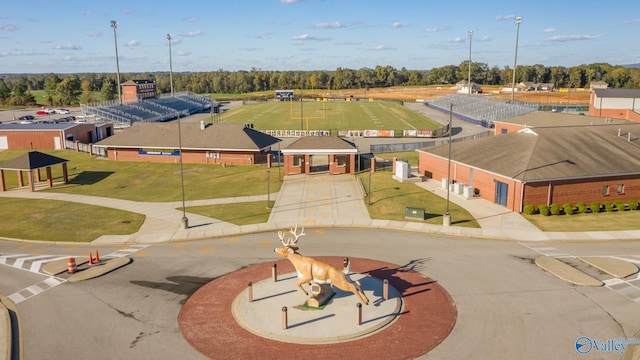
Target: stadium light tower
(469, 81)
(169, 37)
(518, 21)
(114, 26)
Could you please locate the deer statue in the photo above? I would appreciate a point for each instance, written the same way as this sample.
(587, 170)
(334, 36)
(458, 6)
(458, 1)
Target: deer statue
(310, 269)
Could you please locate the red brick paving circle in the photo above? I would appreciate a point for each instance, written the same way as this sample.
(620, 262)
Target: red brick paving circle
(429, 314)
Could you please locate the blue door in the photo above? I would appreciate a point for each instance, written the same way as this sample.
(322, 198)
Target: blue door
(501, 193)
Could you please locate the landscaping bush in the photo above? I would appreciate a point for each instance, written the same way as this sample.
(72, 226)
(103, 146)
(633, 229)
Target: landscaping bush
(595, 207)
(619, 205)
(633, 205)
(567, 208)
(554, 209)
(582, 207)
(608, 207)
(543, 209)
(529, 210)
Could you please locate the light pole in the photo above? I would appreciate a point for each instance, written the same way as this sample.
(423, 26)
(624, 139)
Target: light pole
(469, 81)
(114, 26)
(268, 189)
(185, 220)
(446, 219)
(515, 58)
(169, 37)
(301, 101)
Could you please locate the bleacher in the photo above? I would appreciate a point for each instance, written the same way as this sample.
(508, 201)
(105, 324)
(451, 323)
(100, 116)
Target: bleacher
(163, 108)
(479, 110)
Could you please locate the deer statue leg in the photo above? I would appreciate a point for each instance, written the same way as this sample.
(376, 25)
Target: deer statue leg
(302, 280)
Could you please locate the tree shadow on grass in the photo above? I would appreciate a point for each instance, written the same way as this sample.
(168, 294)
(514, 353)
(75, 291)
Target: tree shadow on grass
(90, 177)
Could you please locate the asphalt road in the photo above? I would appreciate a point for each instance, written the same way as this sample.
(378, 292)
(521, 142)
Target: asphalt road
(508, 308)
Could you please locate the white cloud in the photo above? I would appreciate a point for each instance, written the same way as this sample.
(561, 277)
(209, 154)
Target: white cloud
(381, 47)
(398, 24)
(326, 25)
(505, 17)
(193, 33)
(549, 30)
(94, 34)
(183, 53)
(86, 13)
(437, 29)
(290, 1)
(190, 19)
(8, 27)
(133, 43)
(67, 47)
(565, 38)
(307, 37)
(457, 40)
(634, 21)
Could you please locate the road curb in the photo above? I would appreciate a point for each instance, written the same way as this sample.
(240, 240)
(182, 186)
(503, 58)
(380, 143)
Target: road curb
(566, 272)
(7, 307)
(99, 269)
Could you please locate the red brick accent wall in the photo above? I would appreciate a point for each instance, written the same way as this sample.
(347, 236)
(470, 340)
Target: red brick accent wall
(31, 139)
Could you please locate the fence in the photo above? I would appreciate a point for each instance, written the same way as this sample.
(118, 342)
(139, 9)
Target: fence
(88, 148)
(386, 148)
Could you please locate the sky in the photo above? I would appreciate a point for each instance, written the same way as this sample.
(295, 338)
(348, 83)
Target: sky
(75, 36)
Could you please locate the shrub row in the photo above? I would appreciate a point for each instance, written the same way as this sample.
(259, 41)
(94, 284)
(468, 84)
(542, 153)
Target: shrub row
(580, 208)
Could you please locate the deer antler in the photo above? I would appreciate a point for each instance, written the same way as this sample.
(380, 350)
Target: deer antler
(291, 242)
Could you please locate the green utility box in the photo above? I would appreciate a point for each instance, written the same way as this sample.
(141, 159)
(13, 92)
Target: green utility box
(414, 213)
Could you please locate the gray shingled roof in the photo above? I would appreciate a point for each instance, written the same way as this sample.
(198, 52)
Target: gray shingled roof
(552, 153)
(222, 137)
(325, 144)
(617, 93)
(31, 161)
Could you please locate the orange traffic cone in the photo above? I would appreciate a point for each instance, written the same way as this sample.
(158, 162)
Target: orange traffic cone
(97, 256)
(90, 258)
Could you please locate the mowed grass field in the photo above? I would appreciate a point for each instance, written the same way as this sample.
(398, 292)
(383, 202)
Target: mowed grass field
(329, 115)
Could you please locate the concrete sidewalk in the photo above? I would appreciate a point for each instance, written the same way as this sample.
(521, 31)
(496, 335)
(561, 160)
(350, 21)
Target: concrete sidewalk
(316, 201)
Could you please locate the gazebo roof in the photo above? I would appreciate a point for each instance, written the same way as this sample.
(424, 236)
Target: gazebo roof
(31, 161)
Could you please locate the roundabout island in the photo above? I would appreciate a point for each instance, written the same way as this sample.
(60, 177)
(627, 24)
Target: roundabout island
(228, 318)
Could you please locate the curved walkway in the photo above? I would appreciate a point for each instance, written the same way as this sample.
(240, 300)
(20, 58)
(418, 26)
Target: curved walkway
(315, 201)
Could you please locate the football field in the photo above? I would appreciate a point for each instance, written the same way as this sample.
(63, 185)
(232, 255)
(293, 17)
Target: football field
(329, 115)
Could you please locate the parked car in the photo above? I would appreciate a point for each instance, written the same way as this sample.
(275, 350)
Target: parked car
(26, 117)
(42, 112)
(26, 122)
(61, 111)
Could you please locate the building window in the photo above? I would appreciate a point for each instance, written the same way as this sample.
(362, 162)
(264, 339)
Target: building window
(297, 160)
(503, 131)
(620, 189)
(342, 160)
(605, 190)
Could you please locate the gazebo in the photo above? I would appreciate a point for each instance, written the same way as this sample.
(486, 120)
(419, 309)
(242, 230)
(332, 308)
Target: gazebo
(32, 162)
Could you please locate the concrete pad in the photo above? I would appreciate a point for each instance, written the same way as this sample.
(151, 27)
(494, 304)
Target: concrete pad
(5, 333)
(99, 269)
(633, 350)
(335, 323)
(614, 267)
(7, 339)
(566, 272)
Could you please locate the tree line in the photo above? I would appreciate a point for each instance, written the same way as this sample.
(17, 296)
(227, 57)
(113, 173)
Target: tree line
(73, 89)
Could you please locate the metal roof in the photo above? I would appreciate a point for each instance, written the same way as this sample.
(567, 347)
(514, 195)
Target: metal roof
(37, 127)
(618, 93)
(31, 161)
(552, 153)
(223, 137)
(320, 144)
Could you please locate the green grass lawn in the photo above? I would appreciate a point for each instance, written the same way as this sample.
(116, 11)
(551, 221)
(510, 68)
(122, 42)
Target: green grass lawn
(139, 181)
(238, 214)
(603, 221)
(390, 197)
(331, 115)
(52, 220)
